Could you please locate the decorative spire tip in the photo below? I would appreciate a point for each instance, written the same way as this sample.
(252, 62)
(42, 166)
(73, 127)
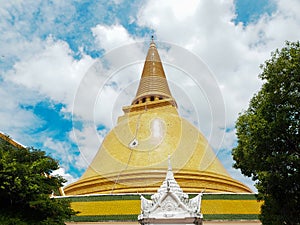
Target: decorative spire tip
(152, 44)
(169, 163)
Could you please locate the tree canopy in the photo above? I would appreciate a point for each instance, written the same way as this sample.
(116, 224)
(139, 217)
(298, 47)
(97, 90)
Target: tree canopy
(26, 184)
(268, 135)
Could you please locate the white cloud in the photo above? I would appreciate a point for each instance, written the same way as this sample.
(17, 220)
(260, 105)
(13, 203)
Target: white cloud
(22, 22)
(52, 71)
(62, 172)
(17, 121)
(110, 37)
(88, 140)
(60, 149)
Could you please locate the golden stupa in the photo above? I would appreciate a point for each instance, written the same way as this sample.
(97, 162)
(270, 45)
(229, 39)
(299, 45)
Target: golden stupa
(133, 157)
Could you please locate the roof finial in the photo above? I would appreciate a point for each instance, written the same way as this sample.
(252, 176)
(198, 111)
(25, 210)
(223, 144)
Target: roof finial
(169, 163)
(152, 44)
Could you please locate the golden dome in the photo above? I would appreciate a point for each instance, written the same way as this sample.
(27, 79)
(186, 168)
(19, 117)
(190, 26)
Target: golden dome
(134, 155)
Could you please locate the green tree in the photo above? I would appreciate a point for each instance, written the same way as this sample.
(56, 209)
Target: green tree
(268, 135)
(26, 185)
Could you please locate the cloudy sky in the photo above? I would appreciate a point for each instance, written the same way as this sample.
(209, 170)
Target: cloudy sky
(67, 67)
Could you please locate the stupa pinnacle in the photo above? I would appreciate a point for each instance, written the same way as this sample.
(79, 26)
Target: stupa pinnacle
(134, 155)
(153, 83)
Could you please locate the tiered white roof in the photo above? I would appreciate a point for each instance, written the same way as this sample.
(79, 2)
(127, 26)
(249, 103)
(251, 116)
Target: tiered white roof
(170, 204)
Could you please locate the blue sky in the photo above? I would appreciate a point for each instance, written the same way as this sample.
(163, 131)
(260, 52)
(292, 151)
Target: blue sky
(249, 11)
(47, 48)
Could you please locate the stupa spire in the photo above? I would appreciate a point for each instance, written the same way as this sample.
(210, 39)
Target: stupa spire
(153, 84)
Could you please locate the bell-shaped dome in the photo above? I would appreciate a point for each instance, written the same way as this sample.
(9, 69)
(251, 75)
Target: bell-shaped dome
(134, 155)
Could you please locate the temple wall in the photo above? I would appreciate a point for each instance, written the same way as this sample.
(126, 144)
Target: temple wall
(228, 207)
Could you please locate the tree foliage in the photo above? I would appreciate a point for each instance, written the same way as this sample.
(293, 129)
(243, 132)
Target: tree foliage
(26, 185)
(268, 135)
